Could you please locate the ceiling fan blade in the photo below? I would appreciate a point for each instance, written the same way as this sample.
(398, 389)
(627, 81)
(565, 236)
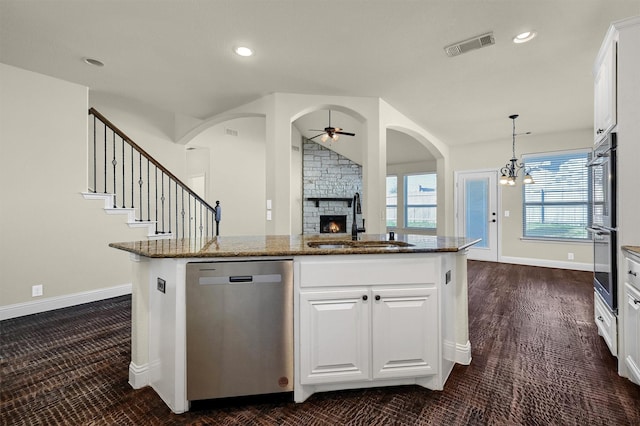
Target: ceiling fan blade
(346, 133)
(323, 133)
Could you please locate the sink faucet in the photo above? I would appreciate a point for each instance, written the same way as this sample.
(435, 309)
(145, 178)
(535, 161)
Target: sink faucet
(357, 209)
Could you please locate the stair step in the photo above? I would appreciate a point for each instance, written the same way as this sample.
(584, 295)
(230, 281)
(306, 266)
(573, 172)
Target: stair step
(132, 222)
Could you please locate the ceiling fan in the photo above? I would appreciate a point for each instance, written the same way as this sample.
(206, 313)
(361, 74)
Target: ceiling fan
(330, 132)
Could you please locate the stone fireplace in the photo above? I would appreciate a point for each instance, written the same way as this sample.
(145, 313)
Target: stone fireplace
(330, 181)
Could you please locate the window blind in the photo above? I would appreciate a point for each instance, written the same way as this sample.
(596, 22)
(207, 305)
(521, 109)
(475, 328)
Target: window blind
(557, 206)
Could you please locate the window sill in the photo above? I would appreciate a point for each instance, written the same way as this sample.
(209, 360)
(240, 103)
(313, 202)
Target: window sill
(555, 240)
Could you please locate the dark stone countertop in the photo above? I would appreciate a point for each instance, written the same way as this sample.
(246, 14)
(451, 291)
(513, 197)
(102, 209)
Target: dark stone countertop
(291, 245)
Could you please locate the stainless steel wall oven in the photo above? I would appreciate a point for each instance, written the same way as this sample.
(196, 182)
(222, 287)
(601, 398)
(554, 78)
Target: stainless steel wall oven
(603, 220)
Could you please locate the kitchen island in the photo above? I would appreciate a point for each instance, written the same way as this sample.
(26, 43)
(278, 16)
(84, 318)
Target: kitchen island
(368, 313)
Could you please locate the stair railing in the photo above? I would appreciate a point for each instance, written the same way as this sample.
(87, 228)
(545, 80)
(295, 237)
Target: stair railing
(136, 180)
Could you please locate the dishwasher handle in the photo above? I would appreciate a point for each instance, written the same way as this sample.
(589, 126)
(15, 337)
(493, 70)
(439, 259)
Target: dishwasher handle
(241, 279)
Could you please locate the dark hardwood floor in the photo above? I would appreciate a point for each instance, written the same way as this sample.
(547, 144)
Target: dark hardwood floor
(537, 360)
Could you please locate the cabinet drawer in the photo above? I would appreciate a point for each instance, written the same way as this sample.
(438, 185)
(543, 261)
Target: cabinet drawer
(607, 324)
(633, 272)
(354, 270)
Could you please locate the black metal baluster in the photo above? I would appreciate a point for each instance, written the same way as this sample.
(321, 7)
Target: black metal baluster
(156, 198)
(132, 178)
(169, 208)
(114, 162)
(201, 227)
(95, 160)
(182, 212)
(148, 194)
(140, 183)
(105, 158)
(177, 227)
(124, 202)
(162, 200)
(190, 224)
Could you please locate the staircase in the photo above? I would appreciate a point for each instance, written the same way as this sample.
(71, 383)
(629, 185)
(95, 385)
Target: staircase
(131, 182)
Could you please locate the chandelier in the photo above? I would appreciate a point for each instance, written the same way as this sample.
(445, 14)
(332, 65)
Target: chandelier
(511, 169)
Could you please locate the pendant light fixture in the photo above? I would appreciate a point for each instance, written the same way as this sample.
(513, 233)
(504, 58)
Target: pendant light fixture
(511, 169)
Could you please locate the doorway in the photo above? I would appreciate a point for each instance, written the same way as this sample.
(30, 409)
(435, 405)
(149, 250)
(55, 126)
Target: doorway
(477, 212)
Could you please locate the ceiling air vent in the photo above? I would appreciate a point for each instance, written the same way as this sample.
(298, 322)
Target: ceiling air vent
(471, 44)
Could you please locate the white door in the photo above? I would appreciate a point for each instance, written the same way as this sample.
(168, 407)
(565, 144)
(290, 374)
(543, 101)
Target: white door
(334, 336)
(477, 212)
(405, 332)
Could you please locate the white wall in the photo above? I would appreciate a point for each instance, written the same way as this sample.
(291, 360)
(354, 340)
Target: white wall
(495, 155)
(50, 235)
(237, 173)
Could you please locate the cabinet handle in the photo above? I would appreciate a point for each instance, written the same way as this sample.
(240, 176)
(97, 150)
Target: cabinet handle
(635, 274)
(377, 297)
(600, 318)
(636, 302)
(365, 297)
(599, 131)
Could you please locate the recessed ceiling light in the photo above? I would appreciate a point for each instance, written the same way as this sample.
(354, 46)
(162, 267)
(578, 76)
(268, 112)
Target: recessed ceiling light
(524, 37)
(243, 51)
(93, 62)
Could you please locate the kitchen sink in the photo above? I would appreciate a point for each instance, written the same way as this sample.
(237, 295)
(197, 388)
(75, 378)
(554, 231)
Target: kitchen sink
(345, 244)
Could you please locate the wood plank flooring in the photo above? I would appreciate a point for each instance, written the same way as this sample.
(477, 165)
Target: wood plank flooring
(537, 360)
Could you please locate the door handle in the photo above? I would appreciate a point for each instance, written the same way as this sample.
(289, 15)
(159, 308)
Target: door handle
(600, 318)
(635, 274)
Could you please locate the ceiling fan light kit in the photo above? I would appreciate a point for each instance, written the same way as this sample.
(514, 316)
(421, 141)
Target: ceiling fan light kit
(329, 132)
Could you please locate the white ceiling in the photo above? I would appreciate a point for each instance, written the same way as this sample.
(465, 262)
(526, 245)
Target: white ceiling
(177, 55)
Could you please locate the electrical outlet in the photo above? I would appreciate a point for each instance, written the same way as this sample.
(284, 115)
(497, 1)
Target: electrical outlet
(570, 256)
(506, 213)
(36, 290)
(162, 285)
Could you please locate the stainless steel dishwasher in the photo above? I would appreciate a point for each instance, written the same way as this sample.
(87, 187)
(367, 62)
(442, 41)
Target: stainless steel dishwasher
(239, 328)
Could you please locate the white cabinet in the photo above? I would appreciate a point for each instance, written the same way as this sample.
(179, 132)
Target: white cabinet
(404, 325)
(605, 91)
(334, 336)
(344, 332)
(631, 312)
(375, 320)
(606, 322)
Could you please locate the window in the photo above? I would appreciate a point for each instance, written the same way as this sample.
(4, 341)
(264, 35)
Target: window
(392, 201)
(420, 201)
(556, 206)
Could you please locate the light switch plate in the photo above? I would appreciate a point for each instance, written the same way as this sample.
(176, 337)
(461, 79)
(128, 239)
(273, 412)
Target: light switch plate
(162, 285)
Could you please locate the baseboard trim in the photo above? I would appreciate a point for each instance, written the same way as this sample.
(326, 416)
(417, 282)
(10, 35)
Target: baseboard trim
(578, 266)
(463, 353)
(52, 303)
(138, 375)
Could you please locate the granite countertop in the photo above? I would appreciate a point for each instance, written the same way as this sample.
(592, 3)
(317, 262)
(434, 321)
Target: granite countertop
(632, 249)
(291, 245)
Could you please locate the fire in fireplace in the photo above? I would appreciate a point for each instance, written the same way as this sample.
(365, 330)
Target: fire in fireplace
(333, 224)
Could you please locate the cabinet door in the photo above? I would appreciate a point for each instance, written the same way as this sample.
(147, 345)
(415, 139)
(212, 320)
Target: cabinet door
(334, 336)
(605, 94)
(632, 332)
(404, 332)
